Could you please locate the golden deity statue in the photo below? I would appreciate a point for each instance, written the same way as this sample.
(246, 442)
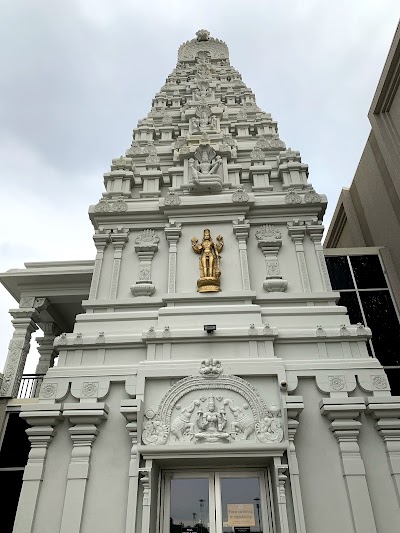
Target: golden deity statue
(209, 262)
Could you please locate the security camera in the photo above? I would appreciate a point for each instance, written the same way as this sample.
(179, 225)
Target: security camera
(210, 328)
(283, 385)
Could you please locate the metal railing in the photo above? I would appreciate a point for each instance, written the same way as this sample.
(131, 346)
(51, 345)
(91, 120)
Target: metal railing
(30, 385)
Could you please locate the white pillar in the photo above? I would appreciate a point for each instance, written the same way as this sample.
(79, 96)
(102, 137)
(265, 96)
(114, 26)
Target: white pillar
(315, 232)
(386, 410)
(24, 322)
(118, 238)
(280, 480)
(132, 411)
(294, 406)
(42, 418)
(342, 412)
(84, 419)
(173, 231)
(46, 349)
(145, 479)
(101, 239)
(297, 231)
(241, 228)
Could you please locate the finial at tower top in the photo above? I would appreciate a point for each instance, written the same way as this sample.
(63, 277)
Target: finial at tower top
(203, 42)
(203, 35)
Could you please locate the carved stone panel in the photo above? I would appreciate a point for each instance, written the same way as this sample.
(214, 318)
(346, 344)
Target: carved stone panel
(212, 408)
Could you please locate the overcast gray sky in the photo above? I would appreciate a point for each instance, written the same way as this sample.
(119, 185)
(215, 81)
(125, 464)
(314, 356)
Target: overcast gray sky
(77, 75)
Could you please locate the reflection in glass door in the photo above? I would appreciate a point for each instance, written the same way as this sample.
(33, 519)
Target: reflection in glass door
(217, 502)
(189, 504)
(241, 506)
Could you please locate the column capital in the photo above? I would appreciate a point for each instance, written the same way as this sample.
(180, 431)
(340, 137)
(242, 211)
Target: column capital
(119, 237)
(101, 239)
(296, 230)
(315, 231)
(241, 229)
(342, 408)
(173, 230)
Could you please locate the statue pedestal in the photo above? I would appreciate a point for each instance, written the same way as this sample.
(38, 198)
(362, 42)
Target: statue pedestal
(208, 284)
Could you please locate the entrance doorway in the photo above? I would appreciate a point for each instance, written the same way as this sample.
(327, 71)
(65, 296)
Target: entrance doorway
(217, 502)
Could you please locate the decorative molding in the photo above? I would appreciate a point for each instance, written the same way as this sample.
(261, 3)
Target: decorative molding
(292, 197)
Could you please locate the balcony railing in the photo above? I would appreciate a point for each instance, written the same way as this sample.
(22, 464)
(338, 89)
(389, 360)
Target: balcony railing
(30, 385)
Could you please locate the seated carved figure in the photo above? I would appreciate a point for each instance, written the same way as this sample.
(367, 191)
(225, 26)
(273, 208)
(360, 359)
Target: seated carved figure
(204, 170)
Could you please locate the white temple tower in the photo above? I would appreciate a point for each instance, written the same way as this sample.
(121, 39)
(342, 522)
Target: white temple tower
(212, 384)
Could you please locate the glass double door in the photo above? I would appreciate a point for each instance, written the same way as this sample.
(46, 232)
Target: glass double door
(217, 502)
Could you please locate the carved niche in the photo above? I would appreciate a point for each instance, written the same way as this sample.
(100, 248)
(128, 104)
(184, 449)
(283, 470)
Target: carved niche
(212, 408)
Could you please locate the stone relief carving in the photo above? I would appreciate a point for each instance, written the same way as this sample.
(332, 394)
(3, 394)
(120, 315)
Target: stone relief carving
(240, 196)
(48, 390)
(89, 389)
(312, 197)
(337, 383)
(257, 155)
(101, 338)
(106, 206)
(320, 332)
(268, 232)
(172, 198)
(204, 170)
(292, 197)
(344, 332)
(379, 382)
(212, 408)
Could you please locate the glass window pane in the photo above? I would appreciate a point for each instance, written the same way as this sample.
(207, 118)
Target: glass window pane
(394, 380)
(241, 505)
(339, 272)
(189, 505)
(349, 300)
(11, 481)
(15, 447)
(368, 272)
(382, 319)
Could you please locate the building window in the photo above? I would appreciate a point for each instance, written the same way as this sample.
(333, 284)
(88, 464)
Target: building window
(14, 450)
(364, 291)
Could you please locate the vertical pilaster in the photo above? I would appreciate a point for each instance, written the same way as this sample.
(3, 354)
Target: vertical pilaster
(297, 231)
(386, 411)
(145, 479)
(46, 349)
(146, 246)
(241, 228)
(118, 238)
(270, 241)
(315, 232)
(280, 480)
(294, 406)
(342, 413)
(101, 239)
(132, 411)
(24, 322)
(42, 418)
(173, 231)
(84, 419)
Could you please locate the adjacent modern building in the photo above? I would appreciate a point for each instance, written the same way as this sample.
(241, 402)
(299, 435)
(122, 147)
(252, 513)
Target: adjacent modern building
(365, 229)
(198, 375)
